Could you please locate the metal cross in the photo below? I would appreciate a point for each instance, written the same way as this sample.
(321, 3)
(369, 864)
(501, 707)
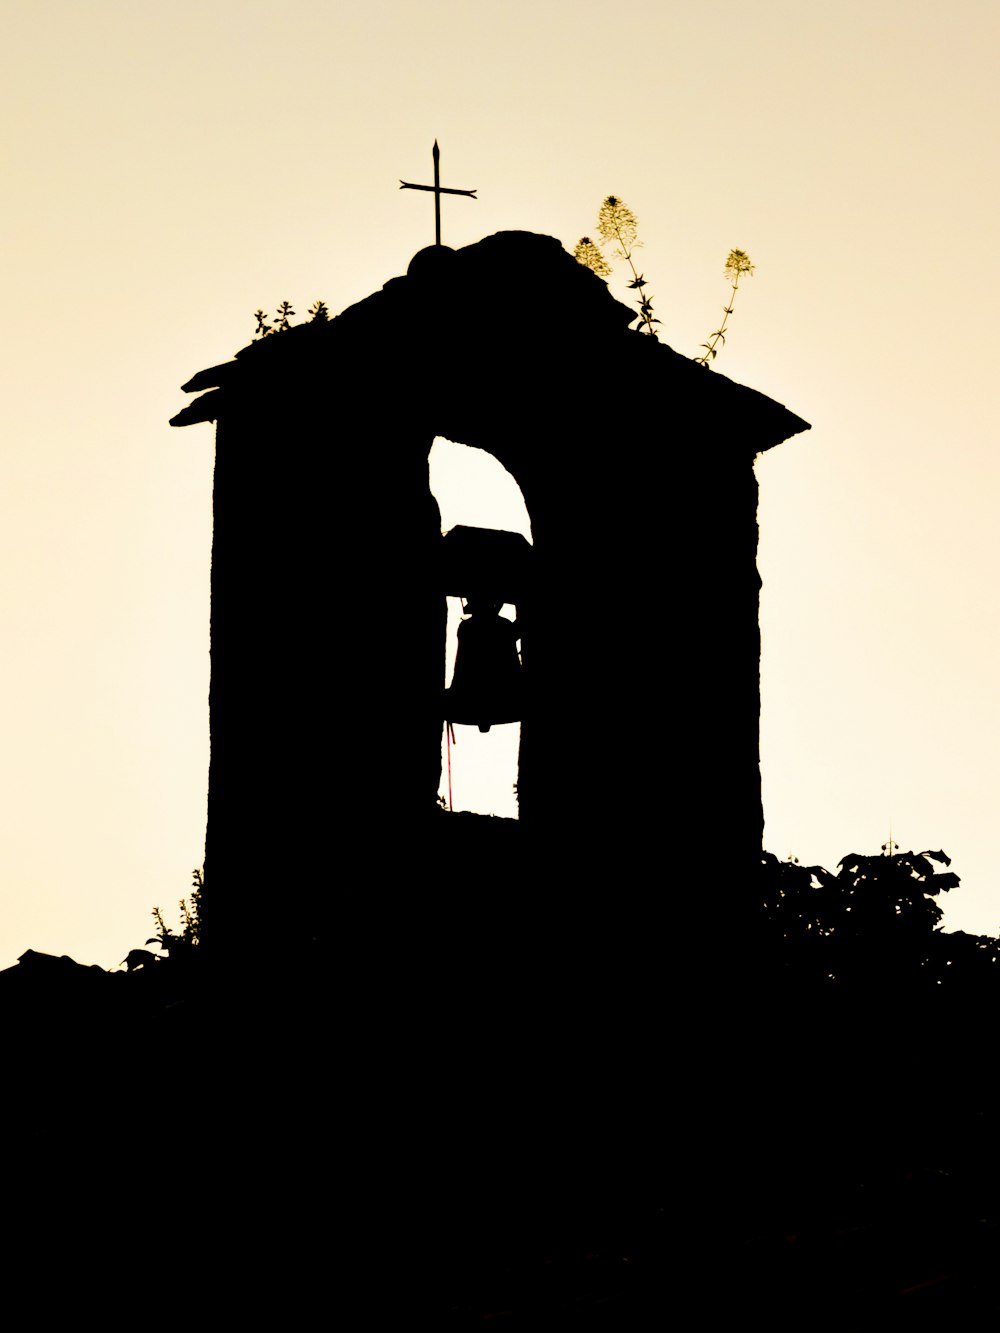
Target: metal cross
(438, 190)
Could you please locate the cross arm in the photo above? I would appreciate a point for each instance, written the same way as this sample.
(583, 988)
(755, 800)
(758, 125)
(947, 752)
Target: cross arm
(436, 189)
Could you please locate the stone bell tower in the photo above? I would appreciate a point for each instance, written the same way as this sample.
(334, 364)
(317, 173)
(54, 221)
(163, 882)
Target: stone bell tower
(642, 646)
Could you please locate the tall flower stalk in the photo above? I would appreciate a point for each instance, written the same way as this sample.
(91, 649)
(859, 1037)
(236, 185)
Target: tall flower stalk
(618, 227)
(737, 264)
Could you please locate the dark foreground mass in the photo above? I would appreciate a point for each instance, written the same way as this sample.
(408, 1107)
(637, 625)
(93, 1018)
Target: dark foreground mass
(494, 1112)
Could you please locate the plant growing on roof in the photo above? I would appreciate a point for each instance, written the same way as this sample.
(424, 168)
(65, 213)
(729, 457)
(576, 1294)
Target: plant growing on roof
(319, 312)
(618, 228)
(190, 934)
(737, 264)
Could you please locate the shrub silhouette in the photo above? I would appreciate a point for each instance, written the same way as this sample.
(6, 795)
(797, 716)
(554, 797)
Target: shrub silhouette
(875, 923)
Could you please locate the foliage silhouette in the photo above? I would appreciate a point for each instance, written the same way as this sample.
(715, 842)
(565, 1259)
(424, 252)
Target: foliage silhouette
(182, 944)
(874, 924)
(319, 312)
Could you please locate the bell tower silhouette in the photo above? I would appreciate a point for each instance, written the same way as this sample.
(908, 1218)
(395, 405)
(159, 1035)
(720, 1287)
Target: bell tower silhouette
(329, 575)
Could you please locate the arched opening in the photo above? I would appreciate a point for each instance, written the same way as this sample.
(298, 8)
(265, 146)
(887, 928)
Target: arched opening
(474, 489)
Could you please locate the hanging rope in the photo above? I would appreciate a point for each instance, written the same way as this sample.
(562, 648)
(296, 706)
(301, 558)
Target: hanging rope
(450, 735)
(449, 732)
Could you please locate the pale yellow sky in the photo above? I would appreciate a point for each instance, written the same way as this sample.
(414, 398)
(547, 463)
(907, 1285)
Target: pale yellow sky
(170, 168)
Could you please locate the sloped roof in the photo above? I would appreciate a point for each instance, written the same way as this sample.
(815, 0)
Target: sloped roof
(516, 301)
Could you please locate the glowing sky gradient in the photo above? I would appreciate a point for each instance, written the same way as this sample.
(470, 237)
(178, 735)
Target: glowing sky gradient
(170, 168)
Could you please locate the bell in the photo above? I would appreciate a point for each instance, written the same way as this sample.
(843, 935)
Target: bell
(486, 685)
